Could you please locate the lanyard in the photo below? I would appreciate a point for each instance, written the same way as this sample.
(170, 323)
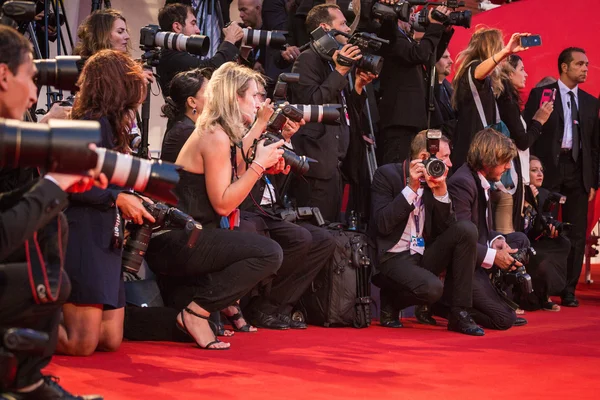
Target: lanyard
(344, 104)
(417, 217)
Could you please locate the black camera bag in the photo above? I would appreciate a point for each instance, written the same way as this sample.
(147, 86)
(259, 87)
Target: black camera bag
(341, 294)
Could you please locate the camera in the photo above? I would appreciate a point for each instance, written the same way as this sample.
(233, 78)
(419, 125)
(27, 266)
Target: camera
(433, 165)
(519, 277)
(299, 164)
(538, 222)
(14, 12)
(260, 38)
(325, 44)
(456, 18)
(62, 146)
(151, 37)
(165, 218)
(280, 116)
(312, 214)
(61, 72)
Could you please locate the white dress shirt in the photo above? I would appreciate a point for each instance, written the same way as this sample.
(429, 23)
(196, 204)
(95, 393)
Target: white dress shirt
(490, 255)
(417, 215)
(567, 141)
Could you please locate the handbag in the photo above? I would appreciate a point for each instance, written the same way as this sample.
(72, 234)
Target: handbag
(506, 181)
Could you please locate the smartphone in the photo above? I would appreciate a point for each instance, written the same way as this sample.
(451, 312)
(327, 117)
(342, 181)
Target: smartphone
(548, 95)
(531, 41)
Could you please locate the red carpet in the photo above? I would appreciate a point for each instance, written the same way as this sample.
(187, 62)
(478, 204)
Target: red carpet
(556, 356)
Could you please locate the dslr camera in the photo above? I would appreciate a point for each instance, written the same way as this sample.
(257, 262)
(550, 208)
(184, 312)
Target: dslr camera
(152, 37)
(165, 218)
(518, 278)
(456, 18)
(433, 165)
(539, 222)
(325, 44)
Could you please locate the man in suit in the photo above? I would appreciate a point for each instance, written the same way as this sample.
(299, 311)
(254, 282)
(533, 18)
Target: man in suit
(444, 116)
(179, 18)
(324, 81)
(568, 148)
(24, 212)
(490, 154)
(403, 106)
(418, 238)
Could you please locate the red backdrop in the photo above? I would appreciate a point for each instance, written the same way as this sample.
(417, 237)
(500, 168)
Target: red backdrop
(561, 24)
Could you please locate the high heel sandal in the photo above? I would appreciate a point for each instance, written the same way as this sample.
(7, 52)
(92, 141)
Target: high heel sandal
(185, 330)
(238, 315)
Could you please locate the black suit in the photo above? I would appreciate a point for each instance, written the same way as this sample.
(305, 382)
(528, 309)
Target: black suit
(444, 115)
(321, 84)
(24, 212)
(173, 62)
(573, 179)
(449, 245)
(403, 98)
(470, 204)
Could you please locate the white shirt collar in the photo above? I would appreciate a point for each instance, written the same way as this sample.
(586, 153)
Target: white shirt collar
(564, 89)
(484, 182)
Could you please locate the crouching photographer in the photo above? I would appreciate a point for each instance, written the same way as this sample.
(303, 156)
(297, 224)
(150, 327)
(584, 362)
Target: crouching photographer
(29, 214)
(548, 267)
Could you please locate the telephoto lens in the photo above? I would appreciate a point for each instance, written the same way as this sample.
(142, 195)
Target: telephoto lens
(61, 72)
(259, 38)
(328, 114)
(151, 36)
(155, 179)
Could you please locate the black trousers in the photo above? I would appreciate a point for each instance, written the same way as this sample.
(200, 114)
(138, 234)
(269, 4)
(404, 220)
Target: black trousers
(326, 194)
(396, 143)
(574, 211)
(306, 250)
(414, 279)
(222, 267)
(489, 308)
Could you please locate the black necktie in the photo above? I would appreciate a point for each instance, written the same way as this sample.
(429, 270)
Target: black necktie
(575, 125)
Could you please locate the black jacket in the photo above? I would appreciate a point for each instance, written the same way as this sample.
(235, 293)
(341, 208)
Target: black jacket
(470, 204)
(319, 84)
(403, 95)
(547, 147)
(26, 210)
(390, 210)
(173, 62)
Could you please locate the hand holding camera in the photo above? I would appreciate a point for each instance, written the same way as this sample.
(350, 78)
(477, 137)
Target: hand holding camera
(345, 58)
(133, 209)
(439, 15)
(363, 78)
(514, 44)
(269, 155)
(290, 128)
(233, 33)
(505, 261)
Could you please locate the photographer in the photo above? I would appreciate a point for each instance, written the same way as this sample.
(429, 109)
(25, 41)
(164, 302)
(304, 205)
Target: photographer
(22, 213)
(326, 82)
(444, 116)
(183, 108)
(93, 315)
(548, 268)
(490, 155)
(179, 18)
(418, 238)
(403, 99)
(225, 264)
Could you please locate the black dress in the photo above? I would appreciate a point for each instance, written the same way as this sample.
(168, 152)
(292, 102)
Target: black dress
(176, 136)
(223, 265)
(91, 262)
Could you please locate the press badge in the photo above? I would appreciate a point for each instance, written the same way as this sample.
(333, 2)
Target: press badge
(416, 242)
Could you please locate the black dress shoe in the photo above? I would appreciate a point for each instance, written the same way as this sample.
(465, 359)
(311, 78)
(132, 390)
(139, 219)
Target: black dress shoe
(390, 319)
(424, 315)
(569, 301)
(269, 321)
(462, 322)
(292, 323)
(48, 390)
(520, 321)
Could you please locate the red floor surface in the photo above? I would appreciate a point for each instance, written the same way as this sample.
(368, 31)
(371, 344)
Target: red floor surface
(556, 356)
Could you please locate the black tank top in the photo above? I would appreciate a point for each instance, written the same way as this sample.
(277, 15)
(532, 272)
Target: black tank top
(193, 199)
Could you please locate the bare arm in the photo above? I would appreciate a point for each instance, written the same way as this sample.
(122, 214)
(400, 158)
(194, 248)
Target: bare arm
(513, 46)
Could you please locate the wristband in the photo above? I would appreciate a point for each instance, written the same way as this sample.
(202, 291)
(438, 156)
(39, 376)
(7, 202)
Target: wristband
(255, 171)
(494, 60)
(259, 164)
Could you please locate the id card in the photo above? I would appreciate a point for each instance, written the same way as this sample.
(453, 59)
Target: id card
(416, 242)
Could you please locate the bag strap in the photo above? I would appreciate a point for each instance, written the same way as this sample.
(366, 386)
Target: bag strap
(478, 103)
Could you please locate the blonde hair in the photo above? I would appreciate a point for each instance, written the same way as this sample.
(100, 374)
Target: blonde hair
(221, 107)
(484, 43)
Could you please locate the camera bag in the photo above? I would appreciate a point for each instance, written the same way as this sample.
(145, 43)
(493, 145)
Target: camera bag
(341, 294)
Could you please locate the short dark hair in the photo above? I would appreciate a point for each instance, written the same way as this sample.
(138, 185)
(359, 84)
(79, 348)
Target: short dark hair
(489, 148)
(172, 13)
(13, 48)
(566, 56)
(320, 15)
(419, 144)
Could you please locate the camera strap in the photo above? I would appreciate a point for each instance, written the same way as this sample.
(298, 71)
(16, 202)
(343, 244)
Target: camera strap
(45, 275)
(117, 234)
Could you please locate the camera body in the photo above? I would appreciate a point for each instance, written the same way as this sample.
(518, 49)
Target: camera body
(519, 277)
(165, 218)
(324, 43)
(433, 165)
(539, 222)
(298, 164)
(456, 18)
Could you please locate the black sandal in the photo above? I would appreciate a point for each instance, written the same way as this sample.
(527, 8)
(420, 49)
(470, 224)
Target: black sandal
(185, 330)
(238, 315)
